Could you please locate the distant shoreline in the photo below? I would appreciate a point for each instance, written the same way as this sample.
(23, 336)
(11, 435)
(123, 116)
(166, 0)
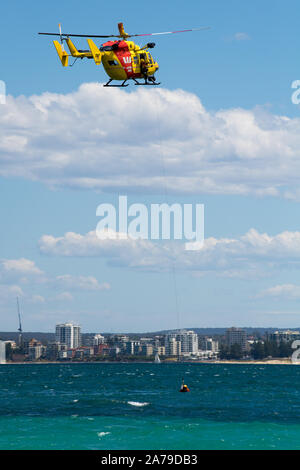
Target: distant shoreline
(269, 361)
(284, 361)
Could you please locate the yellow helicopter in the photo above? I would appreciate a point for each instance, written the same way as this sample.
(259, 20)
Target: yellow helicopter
(122, 60)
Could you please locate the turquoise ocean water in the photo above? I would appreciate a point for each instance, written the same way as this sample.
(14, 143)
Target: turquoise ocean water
(138, 406)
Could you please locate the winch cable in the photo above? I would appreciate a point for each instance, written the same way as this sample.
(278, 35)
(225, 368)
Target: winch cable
(166, 196)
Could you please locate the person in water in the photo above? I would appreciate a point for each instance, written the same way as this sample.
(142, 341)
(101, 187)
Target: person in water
(184, 388)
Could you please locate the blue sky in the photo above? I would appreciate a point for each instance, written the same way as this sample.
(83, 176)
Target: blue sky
(230, 84)
(223, 71)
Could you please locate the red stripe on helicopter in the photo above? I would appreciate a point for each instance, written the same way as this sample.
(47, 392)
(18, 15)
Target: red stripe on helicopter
(124, 57)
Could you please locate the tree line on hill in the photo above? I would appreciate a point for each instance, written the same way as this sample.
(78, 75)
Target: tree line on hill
(259, 350)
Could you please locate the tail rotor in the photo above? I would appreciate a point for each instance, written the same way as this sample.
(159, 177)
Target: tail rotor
(61, 38)
(60, 49)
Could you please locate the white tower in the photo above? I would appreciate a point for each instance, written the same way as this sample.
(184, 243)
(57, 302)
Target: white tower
(69, 334)
(2, 352)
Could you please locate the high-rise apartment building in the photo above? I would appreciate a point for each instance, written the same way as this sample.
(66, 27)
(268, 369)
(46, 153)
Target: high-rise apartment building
(172, 346)
(284, 336)
(189, 341)
(181, 342)
(236, 336)
(98, 339)
(2, 352)
(208, 344)
(147, 350)
(132, 347)
(69, 334)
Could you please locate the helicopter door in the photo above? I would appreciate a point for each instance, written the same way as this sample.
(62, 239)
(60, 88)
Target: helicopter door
(150, 58)
(143, 63)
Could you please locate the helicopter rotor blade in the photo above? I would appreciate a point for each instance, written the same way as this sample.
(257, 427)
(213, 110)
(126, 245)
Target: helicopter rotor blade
(63, 35)
(171, 32)
(81, 35)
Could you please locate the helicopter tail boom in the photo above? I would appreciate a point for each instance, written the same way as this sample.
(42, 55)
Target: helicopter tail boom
(94, 52)
(72, 48)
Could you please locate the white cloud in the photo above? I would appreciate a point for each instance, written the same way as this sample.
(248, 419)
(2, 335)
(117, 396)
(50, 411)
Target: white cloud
(241, 37)
(288, 291)
(25, 272)
(64, 296)
(245, 256)
(37, 299)
(89, 283)
(20, 270)
(125, 252)
(148, 140)
(19, 266)
(10, 292)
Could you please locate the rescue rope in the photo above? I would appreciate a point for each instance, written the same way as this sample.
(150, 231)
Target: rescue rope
(166, 196)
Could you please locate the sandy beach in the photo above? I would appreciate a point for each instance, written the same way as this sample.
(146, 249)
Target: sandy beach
(268, 361)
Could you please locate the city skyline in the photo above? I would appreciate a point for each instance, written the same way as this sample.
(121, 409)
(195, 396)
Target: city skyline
(69, 344)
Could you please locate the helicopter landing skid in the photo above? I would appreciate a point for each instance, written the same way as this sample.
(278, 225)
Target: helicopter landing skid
(147, 83)
(120, 86)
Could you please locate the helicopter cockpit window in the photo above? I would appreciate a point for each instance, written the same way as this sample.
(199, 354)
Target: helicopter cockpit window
(113, 62)
(106, 48)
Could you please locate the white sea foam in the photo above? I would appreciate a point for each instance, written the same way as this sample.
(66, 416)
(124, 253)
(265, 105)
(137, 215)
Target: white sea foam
(101, 434)
(137, 403)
